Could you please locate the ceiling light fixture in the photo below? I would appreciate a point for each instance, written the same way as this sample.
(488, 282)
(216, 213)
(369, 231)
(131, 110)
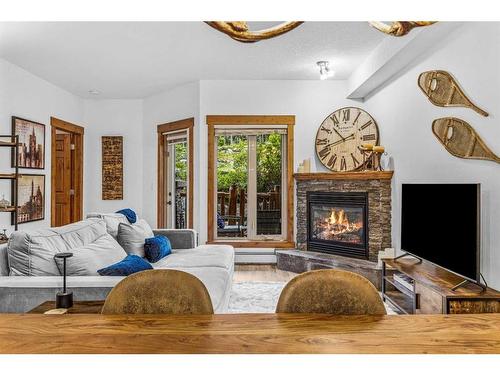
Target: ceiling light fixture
(94, 92)
(324, 70)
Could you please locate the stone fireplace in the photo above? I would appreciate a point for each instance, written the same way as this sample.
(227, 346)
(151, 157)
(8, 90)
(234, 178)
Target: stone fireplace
(344, 213)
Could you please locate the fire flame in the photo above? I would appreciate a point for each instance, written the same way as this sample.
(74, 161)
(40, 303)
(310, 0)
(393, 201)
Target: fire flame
(337, 223)
(338, 218)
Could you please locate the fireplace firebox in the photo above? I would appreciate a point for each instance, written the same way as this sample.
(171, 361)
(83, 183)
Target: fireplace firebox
(337, 223)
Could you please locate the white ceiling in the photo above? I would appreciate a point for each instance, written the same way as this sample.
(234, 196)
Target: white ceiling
(138, 59)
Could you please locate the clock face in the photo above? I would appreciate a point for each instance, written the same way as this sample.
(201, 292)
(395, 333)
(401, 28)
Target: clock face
(340, 136)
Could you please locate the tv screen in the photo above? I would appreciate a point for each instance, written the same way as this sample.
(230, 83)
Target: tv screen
(440, 223)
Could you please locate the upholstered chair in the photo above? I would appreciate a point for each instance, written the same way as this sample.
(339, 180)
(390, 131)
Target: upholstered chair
(330, 291)
(159, 292)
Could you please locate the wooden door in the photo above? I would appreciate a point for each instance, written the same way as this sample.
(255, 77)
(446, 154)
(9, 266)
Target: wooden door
(63, 191)
(66, 202)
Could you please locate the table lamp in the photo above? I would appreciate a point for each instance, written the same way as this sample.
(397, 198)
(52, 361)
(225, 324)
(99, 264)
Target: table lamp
(64, 299)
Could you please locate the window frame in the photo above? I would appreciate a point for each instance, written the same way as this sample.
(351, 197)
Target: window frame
(249, 121)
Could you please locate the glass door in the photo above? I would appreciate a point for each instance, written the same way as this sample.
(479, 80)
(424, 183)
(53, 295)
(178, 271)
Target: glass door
(176, 180)
(250, 174)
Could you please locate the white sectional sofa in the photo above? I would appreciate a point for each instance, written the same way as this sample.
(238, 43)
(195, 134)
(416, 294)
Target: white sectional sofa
(29, 276)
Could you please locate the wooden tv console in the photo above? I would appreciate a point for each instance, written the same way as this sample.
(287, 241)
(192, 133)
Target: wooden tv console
(432, 290)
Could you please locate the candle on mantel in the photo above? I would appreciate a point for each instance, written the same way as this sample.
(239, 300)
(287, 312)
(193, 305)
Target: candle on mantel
(379, 149)
(367, 146)
(300, 169)
(307, 165)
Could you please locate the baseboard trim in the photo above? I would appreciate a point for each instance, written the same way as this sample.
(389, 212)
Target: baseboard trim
(253, 258)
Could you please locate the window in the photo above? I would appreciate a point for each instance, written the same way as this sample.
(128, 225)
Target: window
(250, 186)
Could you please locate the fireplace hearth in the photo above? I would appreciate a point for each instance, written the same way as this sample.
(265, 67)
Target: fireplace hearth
(337, 223)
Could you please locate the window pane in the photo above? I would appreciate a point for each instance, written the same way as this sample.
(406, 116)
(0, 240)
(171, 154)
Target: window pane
(181, 170)
(269, 189)
(232, 178)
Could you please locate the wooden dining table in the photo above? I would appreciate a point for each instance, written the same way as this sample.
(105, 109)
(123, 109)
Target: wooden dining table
(249, 333)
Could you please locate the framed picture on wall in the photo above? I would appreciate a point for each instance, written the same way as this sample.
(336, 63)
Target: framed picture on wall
(31, 143)
(31, 198)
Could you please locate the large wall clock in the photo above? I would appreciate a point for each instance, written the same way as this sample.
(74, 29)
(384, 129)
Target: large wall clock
(341, 134)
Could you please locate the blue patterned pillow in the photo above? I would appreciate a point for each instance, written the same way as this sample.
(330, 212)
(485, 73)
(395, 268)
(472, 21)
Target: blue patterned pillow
(156, 248)
(131, 264)
(220, 222)
(129, 214)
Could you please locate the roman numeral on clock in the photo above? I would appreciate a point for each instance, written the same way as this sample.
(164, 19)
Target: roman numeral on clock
(343, 164)
(354, 160)
(334, 119)
(356, 119)
(346, 114)
(366, 125)
(324, 152)
(321, 141)
(326, 129)
(331, 162)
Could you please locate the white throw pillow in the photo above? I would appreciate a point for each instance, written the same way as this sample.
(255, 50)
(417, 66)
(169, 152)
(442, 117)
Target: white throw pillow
(86, 260)
(132, 236)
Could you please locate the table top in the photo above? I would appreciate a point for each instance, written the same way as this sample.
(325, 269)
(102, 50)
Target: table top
(249, 333)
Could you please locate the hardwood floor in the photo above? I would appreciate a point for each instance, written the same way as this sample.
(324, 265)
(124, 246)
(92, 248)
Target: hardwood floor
(261, 272)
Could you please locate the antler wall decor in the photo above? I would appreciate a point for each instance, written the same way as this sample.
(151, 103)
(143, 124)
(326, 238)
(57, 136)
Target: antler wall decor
(238, 30)
(399, 28)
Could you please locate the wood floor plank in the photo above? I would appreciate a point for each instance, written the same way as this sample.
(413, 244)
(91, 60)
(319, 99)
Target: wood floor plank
(261, 273)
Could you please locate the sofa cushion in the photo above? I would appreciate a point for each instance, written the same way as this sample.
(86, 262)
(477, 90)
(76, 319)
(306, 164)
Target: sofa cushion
(87, 259)
(203, 256)
(112, 221)
(32, 253)
(81, 233)
(131, 264)
(133, 236)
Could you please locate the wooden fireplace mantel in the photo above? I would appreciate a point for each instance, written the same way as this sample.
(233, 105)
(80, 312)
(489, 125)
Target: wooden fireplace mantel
(365, 175)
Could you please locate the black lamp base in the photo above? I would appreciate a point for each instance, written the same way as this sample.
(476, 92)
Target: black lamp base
(64, 300)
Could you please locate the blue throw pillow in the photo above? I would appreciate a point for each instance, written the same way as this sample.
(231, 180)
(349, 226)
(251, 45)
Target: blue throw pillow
(129, 214)
(220, 222)
(131, 264)
(156, 248)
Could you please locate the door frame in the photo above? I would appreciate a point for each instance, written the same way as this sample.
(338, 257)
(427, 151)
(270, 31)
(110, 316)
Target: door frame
(78, 133)
(188, 125)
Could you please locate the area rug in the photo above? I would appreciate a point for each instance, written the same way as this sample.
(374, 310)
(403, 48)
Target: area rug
(260, 297)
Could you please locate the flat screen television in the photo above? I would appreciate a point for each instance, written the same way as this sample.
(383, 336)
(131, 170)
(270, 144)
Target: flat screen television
(441, 224)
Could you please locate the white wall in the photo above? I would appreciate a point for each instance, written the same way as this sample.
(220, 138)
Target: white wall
(177, 104)
(405, 116)
(24, 95)
(113, 117)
